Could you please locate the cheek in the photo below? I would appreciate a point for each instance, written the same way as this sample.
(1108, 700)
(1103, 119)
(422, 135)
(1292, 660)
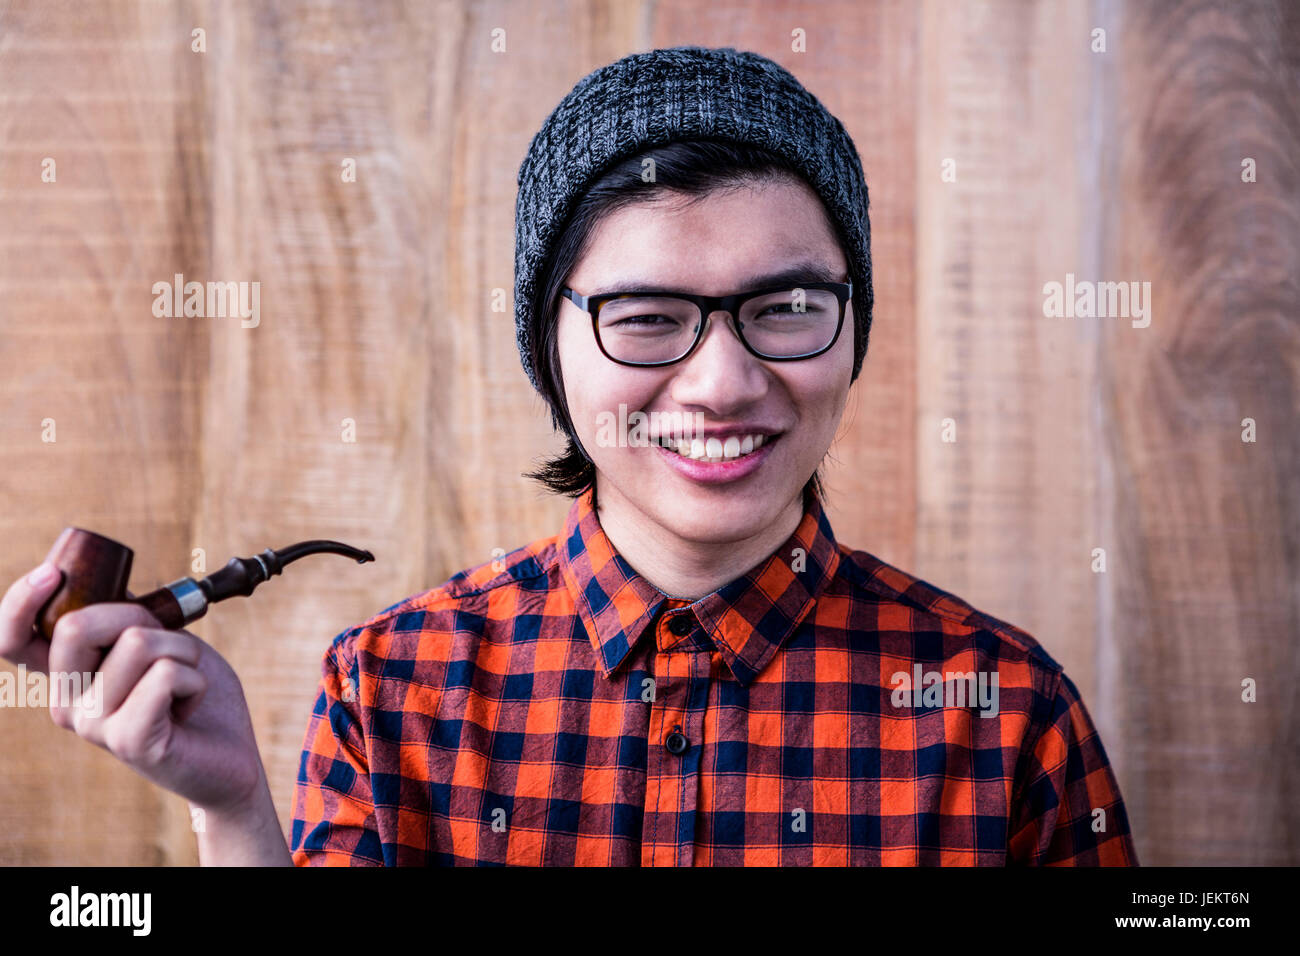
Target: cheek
(831, 388)
(572, 364)
(580, 371)
(593, 385)
(819, 397)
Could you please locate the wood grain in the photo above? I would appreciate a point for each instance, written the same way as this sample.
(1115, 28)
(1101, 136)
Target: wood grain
(386, 302)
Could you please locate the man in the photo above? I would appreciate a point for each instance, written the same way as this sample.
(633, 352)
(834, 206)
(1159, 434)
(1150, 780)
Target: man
(694, 671)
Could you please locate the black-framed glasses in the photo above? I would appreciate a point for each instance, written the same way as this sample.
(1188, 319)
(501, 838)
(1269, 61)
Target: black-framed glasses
(780, 324)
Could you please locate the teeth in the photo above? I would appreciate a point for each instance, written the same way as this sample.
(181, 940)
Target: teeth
(714, 450)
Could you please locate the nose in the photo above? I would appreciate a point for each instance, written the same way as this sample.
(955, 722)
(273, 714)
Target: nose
(723, 318)
(720, 374)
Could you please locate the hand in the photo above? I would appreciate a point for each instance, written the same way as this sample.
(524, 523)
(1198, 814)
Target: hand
(163, 702)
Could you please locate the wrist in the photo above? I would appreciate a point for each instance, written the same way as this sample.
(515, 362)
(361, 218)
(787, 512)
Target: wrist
(244, 834)
(242, 810)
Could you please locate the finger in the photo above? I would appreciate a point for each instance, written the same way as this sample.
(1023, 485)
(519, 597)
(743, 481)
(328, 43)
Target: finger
(185, 704)
(128, 660)
(81, 638)
(19, 642)
(142, 731)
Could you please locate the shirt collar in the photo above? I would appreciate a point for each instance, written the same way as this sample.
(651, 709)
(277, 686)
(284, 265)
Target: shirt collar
(747, 619)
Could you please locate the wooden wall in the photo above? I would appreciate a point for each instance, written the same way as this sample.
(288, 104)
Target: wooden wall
(377, 306)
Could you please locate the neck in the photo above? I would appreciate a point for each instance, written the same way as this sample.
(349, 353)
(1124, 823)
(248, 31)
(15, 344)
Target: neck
(683, 568)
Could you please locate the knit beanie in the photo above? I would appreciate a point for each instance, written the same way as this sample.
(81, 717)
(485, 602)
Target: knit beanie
(652, 98)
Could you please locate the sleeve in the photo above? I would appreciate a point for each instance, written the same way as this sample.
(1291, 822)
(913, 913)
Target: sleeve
(333, 806)
(1067, 809)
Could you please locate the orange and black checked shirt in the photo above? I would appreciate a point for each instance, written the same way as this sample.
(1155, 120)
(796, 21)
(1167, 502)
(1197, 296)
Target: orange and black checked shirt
(554, 708)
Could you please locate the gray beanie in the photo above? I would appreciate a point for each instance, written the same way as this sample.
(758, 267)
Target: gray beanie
(687, 92)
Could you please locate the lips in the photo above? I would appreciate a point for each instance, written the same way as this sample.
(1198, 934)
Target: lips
(715, 449)
(718, 470)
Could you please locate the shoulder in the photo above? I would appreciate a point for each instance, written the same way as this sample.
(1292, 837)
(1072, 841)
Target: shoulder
(902, 602)
(465, 600)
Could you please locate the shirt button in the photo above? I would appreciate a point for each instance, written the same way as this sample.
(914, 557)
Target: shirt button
(676, 744)
(680, 625)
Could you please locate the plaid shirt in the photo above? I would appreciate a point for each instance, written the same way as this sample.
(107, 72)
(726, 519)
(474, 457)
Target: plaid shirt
(553, 707)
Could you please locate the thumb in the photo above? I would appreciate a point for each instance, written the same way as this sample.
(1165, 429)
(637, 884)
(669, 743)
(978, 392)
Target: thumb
(20, 641)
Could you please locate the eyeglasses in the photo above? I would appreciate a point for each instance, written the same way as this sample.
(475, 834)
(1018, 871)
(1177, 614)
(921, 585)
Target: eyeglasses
(782, 324)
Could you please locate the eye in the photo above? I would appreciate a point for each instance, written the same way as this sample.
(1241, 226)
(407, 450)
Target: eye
(644, 320)
(812, 307)
(645, 325)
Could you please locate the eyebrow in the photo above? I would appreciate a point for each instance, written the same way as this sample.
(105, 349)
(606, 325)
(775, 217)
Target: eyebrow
(808, 270)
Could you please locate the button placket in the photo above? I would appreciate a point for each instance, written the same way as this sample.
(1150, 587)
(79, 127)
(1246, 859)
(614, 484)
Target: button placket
(672, 778)
(682, 632)
(676, 743)
(674, 630)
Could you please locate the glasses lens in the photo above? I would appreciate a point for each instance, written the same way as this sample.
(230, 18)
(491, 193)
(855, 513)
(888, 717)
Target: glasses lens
(647, 329)
(786, 324)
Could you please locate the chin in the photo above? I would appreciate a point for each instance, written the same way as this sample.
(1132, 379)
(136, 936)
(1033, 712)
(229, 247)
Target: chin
(713, 515)
(711, 528)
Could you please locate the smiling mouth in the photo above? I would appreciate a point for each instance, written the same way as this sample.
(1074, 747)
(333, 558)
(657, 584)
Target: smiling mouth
(714, 450)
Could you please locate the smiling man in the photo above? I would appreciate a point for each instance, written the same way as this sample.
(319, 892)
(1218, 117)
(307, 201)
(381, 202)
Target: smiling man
(694, 671)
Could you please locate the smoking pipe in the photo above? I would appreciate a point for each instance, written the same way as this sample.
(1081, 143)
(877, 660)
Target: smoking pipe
(95, 569)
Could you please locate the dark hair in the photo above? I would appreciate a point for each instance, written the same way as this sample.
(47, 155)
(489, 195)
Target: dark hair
(693, 168)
